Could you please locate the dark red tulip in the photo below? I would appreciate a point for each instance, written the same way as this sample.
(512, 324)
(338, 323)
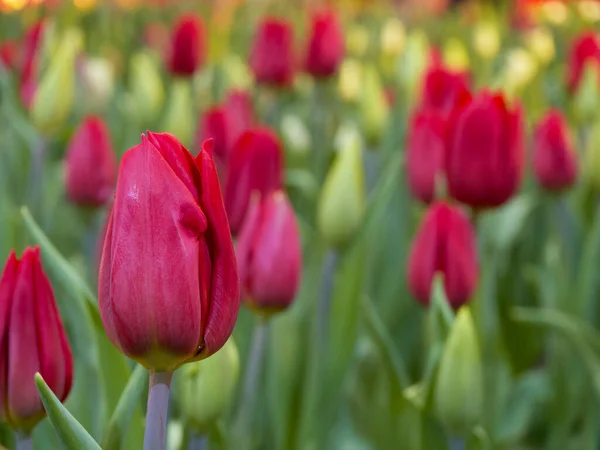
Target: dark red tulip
(326, 45)
(269, 254)
(585, 50)
(554, 158)
(90, 164)
(29, 71)
(240, 111)
(32, 339)
(187, 47)
(256, 164)
(9, 55)
(272, 56)
(168, 285)
(446, 244)
(214, 125)
(442, 87)
(484, 150)
(425, 153)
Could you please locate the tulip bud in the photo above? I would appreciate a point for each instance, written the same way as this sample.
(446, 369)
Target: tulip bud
(486, 40)
(373, 106)
(55, 94)
(30, 50)
(541, 44)
(256, 164)
(97, 75)
(459, 387)
(8, 55)
(274, 37)
(456, 56)
(205, 389)
(554, 158)
(444, 243)
(587, 93)
(584, 52)
(520, 70)
(350, 80)
(179, 117)
(414, 63)
(33, 340)
(168, 288)
(484, 150)
(187, 51)
(326, 45)
(393, 37)
(589, 10)
(214, 125)
(591, 166)
(90, 164)
(296, 136)
(269, 254)
(342, 203)
(146, 87)
(441, 88)
(425, 154)
(357, 40)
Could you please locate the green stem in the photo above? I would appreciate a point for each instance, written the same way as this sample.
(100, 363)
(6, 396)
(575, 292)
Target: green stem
(155, 434)
(24, 442)
(198, 442)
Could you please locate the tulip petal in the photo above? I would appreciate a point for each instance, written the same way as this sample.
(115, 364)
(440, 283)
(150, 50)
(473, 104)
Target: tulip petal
(7, 286)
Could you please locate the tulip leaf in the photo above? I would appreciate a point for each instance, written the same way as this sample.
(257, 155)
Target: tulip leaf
(441, 315)
(71, 432)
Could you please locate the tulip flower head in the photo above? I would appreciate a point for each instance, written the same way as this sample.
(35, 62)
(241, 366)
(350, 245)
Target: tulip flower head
(585, 51)
(326, 45)
(441, 88)
(90, 164)
(445, 243)
(272, 57)
(269, 254)
(33, 340)
(187, 51)
(256, 164)
(168, 284)
(554, 158)
(484, 150)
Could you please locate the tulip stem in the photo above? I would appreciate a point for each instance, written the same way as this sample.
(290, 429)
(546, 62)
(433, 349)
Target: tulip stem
(198, 442)
(155, 434)
(457, 443)
(24, 442)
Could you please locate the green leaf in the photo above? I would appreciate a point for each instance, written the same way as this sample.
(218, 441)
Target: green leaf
(119, 423)
(441, 315)
(71, 432)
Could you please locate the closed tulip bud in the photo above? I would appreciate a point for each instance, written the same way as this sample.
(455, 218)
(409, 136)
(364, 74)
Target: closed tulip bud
(296, 136)
(54, 96)
(589, 10)
(357, 40)
(273, 37)
(445, 243)
(97, 76)
(484, 150)
(441, 88)
(179, 117)
(459, 386)
(146, 87)
(520, 70)
(168, 288)
(90, 164)
(584, 52)
(591, 166)
(587, 93)
(326, 45)
(33, 340)
(187, 49)
(350, 80)
(214, 125)
(30, 53)
(342, 204)
(486, 40)
(256, 164)
(205, 389)
(373, 106)
(554, 158)
(425, 154)
(240, 111)
(269, 254)
(9, 55)
(455, 55)
(541, 44)
(393, 37)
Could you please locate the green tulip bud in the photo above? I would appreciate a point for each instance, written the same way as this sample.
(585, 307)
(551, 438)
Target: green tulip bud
(179, 118)
(588, 93)
(297, 139)
(98, 83)
(459, 388)
(414, 63)
(146, 87)
(591, 167)
(205, 389)
(373, 105)
(54, 96)
(342, 203)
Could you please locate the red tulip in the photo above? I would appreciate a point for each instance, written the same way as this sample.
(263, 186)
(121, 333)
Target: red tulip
(28, 78)
(90, 164)
(238, 105)
(585, 50)
(32, 340)
(425, 153)
(168, 284)
(256, 164)
(484, 150)
(272, 55)
(187, 50)
(446, 244)
(326, 46)
(554, 159)
(9, 55)
(269, 254)
(442, 87)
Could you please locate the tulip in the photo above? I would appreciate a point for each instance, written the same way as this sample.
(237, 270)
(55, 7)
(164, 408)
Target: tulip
(425, 154)
(274, 37)
(441, 87)
(486, 40)
(541, 44)
(350, 80)
(373, 106)
(97, 76)
(455, 55)
(554, 158)
(168, 287)
(459, 387)
(342, 204)
(187, 51)
(179, 116)
(269, 254)
(9, 55)
(256, 164)
(393, 37)
(585, 51)
(326, 45)
(484, 150)
(240, 111)
(414, 62)
(90, 164)
(445, 243)
(33, 340)
(591, 166)
(146, 87)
